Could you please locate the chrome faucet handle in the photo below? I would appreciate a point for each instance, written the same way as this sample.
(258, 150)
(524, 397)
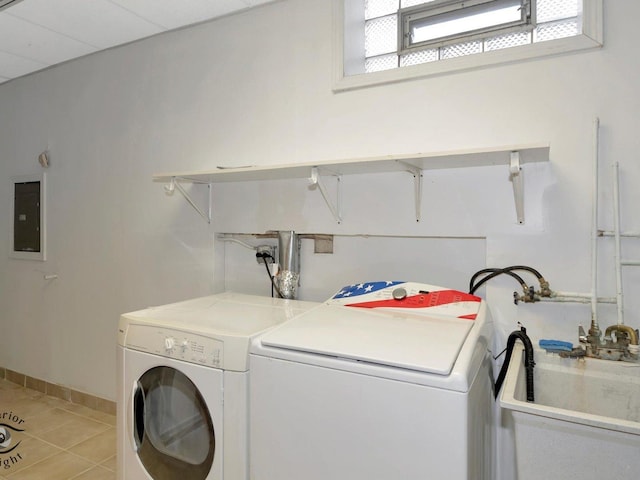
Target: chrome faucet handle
(582, 335)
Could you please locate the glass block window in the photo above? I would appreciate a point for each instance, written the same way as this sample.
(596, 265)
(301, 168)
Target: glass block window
(460, 50)
(509, 40)
(416, 58)
(380, 35)
(379, 8)
(551, 31)
(552, 10)
(550, 20)
(382, 62)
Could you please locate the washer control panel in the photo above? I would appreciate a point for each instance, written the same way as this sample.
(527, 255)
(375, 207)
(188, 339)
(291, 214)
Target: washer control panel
(172, 343)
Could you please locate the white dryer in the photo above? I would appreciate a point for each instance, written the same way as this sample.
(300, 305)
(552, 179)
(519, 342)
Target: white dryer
(396, 386)
(182, 385)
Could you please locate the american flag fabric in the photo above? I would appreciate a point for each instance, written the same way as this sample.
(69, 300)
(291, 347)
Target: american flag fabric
(415, 298)
(358, 289)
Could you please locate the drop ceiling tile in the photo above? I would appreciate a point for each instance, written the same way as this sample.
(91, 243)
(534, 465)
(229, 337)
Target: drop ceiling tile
(173, 14)
(98, 23)
(12, 66)
(37, 43)
(37, 33)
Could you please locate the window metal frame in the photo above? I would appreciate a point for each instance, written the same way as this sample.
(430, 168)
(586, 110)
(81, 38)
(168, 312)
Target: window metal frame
(445, 10)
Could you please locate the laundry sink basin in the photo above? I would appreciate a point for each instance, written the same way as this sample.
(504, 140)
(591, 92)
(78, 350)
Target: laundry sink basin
(584, 423)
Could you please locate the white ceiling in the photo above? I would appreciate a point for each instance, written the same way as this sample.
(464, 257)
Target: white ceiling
(35, 34)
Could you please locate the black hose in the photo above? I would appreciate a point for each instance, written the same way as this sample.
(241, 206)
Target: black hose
(526, 268)
(494, 272)
(506, 270)
(528, 362)
(273, 284)
(481, 272)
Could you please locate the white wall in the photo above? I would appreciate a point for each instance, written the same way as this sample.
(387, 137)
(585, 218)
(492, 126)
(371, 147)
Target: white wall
(255, 88)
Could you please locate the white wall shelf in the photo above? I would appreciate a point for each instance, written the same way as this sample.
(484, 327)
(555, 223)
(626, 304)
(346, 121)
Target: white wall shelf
(513, 156)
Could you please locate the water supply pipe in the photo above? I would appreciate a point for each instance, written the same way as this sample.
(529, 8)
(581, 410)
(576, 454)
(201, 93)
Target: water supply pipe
(618, 248)
(595, 329)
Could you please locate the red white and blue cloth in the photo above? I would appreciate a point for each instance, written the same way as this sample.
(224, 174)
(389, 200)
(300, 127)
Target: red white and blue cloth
(416, 298)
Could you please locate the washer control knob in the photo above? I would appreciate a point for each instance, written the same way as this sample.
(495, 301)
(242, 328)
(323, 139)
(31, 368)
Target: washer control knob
(399, 294)
(169, 343)
(184, 345)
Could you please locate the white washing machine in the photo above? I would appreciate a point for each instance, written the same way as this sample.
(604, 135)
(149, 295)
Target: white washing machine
(182, 385)
(396, 386)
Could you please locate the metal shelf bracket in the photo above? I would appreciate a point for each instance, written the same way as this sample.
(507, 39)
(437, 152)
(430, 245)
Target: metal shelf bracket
(515, 175)
(315, 180)
(417, 186)
(174, 185)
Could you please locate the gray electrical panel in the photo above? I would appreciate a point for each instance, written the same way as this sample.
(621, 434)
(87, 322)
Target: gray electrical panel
(26, 217)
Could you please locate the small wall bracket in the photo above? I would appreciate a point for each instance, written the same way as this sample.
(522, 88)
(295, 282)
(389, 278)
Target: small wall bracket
(315, 180)
(515, 175)
(417, 186)
(175, 185)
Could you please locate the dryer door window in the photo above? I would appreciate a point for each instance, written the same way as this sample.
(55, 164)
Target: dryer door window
(173, 429)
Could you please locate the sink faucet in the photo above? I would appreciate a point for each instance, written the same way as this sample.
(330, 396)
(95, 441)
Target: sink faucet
(625, 347)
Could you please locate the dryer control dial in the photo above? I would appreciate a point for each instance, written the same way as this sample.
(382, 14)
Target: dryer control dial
(169, 343)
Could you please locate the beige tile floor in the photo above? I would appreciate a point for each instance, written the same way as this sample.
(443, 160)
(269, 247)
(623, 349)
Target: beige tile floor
(59, 441)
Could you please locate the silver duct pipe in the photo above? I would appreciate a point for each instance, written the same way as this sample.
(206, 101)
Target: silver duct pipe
(288, 275)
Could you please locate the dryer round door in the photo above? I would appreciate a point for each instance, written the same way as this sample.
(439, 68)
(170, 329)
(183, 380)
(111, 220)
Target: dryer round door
(172, 426)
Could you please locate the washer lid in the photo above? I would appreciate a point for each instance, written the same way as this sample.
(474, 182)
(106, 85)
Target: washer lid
(394, 338)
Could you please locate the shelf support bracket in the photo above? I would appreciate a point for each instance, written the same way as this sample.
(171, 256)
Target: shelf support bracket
(515, 175)
(175, 185)
(417, 186)
(315, 180)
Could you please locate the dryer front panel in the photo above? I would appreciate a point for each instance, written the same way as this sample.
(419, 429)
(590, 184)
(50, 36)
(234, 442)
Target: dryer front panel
(174, 420)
